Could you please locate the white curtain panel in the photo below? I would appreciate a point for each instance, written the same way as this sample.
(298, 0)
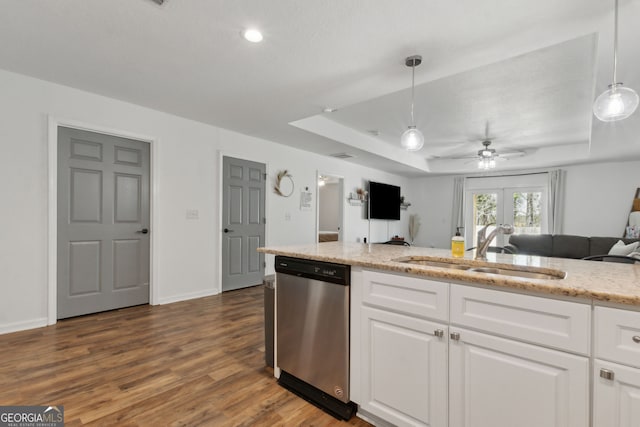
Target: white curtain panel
(555, 204)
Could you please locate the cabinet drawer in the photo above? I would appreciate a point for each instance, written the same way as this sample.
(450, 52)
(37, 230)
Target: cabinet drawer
(559, 324)
(617, 336)
(410, 295)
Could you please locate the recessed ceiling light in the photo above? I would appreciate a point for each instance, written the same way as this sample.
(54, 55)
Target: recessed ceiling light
(252, 35)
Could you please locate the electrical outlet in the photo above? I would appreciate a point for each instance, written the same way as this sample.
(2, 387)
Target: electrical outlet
(193, 214)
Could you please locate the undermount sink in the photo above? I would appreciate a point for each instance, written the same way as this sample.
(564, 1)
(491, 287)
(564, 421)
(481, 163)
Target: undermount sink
(513, 271)
(429, 263)
(555, 275)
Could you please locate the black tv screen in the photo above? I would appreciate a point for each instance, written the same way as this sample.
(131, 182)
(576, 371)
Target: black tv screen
(384, 201)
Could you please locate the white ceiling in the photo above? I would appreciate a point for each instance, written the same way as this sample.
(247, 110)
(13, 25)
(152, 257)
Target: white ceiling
(526, 70)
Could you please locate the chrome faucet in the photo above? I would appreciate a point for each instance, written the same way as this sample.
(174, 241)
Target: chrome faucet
(484, 240)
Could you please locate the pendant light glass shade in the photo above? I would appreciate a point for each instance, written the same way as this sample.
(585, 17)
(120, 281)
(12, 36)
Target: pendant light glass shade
(617, 103)
(412, 139)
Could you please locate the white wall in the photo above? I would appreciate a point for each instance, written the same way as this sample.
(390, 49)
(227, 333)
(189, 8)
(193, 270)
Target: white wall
(432, 201)
(188, 165)
(598, 199)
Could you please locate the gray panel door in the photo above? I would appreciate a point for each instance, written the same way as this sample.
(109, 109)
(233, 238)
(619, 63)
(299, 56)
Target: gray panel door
(243, 221)
(103, 213)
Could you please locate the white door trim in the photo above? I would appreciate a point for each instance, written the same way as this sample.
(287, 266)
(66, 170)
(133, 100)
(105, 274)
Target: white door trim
(52, 232)
(220, 176)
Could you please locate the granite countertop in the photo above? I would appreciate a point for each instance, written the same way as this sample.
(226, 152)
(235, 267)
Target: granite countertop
(600, 281)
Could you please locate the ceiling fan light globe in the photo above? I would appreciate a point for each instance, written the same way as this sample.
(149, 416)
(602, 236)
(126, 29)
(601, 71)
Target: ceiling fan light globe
(487, 163)
(412, 139)
(616, 103)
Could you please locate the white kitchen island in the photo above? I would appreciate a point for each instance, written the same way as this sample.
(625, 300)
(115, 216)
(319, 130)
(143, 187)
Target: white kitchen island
(447, 347)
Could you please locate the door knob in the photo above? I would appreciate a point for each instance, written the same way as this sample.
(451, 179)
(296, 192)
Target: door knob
(143, 231)
(226, 230)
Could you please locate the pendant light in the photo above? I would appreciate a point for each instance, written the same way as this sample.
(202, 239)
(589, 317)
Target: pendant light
(412, 139)
(617, 102)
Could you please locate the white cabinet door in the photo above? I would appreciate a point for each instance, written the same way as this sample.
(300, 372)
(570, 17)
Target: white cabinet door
(403, 369)
(497, 382)
(616, 401)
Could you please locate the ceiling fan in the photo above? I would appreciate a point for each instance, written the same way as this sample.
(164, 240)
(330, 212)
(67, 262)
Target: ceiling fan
(486, 157)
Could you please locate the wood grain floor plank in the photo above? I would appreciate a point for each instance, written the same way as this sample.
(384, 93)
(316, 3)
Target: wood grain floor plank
(191, 363)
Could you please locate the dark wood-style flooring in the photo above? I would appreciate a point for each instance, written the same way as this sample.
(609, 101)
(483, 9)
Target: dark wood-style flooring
(198, 362)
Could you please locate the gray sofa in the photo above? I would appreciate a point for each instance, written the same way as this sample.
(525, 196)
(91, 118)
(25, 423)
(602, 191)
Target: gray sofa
(561, 245)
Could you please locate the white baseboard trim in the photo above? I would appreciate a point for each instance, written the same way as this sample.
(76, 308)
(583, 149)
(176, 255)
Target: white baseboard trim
(7, 328)
(372, 419)
(185, 297)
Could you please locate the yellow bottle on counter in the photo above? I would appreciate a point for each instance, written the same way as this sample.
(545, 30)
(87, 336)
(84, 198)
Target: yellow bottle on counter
(457, 244)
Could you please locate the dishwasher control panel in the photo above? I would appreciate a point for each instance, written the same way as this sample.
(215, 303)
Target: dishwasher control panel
(326, 271)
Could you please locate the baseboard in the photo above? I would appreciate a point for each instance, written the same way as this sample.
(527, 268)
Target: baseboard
(8, 328)
(372, 419)
(185, 297)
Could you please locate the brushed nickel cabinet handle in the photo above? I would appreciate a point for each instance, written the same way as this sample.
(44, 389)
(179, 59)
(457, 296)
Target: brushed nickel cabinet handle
(636, 339)
(438, 333)
(606, 374)
(455, 336)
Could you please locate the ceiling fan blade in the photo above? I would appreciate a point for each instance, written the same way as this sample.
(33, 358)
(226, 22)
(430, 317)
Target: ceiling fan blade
(470, 156)
(512, 154)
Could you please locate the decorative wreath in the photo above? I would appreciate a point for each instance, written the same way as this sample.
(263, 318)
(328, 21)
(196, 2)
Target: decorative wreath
(276, 188)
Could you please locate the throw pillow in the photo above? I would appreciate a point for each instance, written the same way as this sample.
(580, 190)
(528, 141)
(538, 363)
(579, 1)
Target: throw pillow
(621, 249)
(635, 255)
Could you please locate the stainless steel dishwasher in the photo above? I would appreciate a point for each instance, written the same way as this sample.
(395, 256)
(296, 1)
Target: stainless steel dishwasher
(312, 305)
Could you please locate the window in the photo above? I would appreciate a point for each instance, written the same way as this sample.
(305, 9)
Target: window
(517, 200)
(526, 211)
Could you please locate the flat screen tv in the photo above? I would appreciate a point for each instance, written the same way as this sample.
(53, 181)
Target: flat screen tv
(384, 201)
